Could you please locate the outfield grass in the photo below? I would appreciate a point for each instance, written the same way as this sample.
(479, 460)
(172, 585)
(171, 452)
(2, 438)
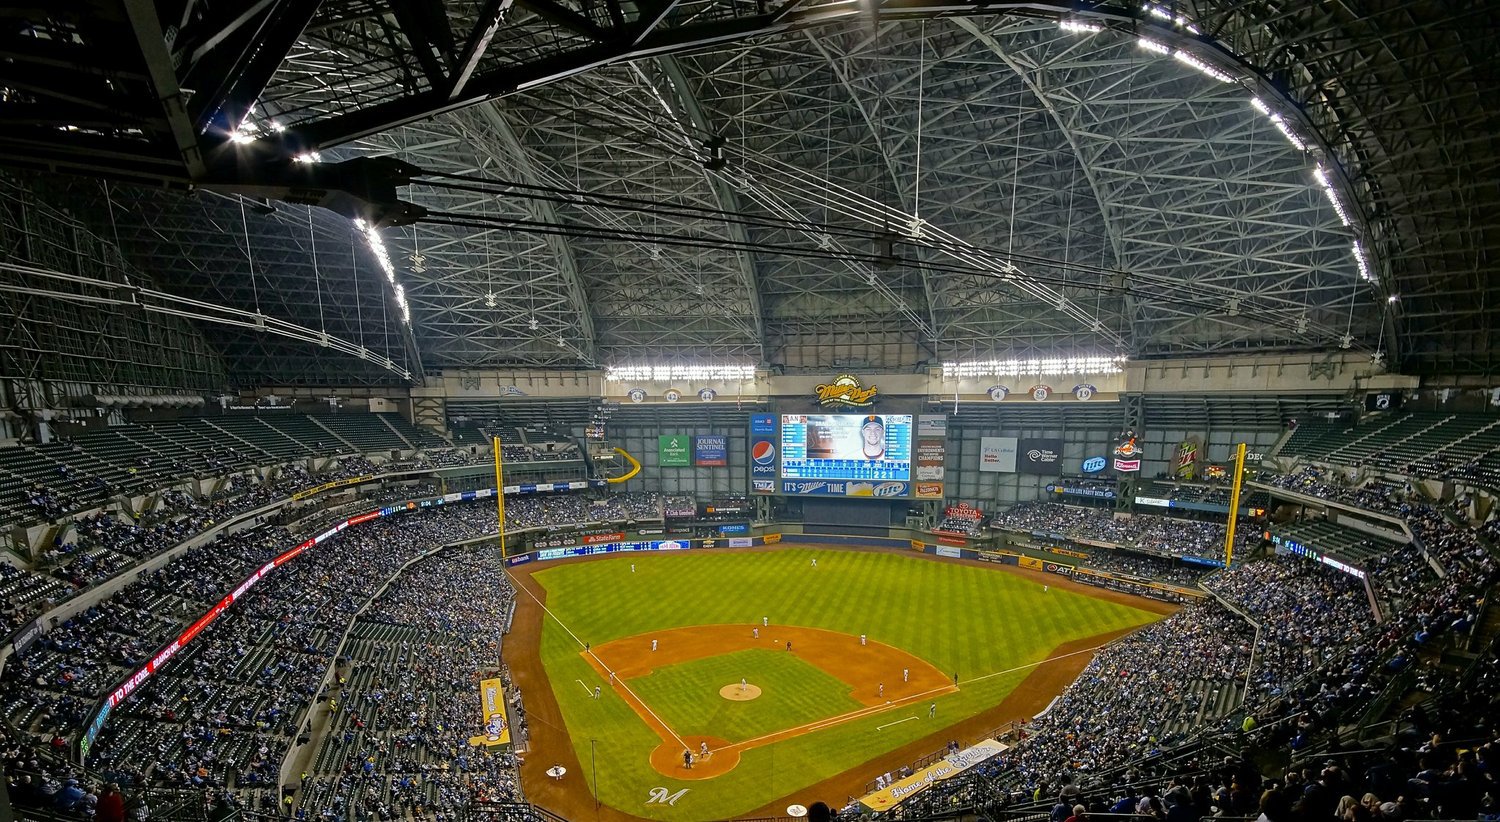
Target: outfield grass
(793, 693)
(969, 620)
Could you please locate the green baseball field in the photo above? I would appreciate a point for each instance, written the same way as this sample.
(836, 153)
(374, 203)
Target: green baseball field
(776, 674)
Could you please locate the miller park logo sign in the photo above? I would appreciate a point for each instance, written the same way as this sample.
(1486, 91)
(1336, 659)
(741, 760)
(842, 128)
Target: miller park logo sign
(845, 392)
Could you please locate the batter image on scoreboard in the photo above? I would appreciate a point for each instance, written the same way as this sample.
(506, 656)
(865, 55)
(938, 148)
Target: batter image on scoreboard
(873, 432)
(846, 446)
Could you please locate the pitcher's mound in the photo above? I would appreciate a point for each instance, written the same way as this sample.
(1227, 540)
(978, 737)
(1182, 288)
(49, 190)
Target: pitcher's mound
(739, 693)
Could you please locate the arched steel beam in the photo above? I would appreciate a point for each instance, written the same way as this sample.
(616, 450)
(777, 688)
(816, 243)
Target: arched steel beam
(543, 211)
(724, 194)
(1112, 230)
(838, 71)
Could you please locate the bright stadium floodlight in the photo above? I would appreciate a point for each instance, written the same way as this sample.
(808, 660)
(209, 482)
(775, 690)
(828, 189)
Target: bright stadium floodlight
(1331, 194)
(1260, 106)
(1193, 60)
(1080, 26)
(720, 372)
(1157, 11)
(1152, 45)
(377, 247)
(1286, 131)
(1082, 365)
(1363, 261)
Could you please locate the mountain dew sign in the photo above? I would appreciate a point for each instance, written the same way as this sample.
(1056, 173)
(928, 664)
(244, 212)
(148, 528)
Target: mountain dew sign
(675, 451)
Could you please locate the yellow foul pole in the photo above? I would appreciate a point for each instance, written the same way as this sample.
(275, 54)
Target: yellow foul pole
(500, 495)
(1234, 502)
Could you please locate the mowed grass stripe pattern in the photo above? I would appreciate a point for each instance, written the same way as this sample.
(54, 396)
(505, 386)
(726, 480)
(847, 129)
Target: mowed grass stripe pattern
(961, 618)
(971, 620)
(793, 693)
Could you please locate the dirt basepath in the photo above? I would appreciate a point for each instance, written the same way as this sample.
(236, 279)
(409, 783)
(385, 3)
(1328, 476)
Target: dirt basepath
(873, 670)
(570, 798)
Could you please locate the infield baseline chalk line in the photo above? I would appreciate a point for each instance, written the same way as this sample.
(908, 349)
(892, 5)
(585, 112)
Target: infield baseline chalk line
(897, 722)
(516, 583)
(585, 687)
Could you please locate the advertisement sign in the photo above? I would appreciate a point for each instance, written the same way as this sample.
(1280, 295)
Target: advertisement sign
(932, 451)
(28, 634)
(840, 488)
(711, 450)
(1127, 452)
(674, 451)
(1154, 502)
(1039, 456)
(492, 714)
(1094, 465)
(740, 542)
(1185, 464)
(763, 436)
(600, 539)
(735, 528)
(771, 539)
(1081, 491)
(997, 455)
(946, 768)
(845, 392)
(948, 547)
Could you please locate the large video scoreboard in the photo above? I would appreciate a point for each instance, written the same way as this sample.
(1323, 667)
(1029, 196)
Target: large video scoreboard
(846, 446)
(847, 455)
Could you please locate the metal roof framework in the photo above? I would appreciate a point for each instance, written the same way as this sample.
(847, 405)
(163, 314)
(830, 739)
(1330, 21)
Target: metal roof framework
(1039, 190)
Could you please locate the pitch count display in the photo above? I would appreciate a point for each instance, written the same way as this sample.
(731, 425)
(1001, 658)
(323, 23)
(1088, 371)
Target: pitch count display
(846, 446)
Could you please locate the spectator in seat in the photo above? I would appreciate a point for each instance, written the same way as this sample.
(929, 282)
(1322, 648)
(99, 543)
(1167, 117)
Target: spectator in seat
(111, 807)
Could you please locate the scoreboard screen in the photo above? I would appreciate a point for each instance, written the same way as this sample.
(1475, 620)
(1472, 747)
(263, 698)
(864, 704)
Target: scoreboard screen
(846, 446)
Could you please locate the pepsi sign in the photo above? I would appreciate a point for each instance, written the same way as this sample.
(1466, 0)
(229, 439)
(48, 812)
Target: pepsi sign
(1094, 465)
(763, 452)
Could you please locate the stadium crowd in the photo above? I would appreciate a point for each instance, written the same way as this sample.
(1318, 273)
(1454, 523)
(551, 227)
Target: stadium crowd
(224, 711)
(407, 701)
(1167, 536)
(1143, 566)
(221, 713)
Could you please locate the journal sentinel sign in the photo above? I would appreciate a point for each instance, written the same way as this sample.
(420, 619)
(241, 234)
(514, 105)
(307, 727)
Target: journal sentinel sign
(711, 450)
